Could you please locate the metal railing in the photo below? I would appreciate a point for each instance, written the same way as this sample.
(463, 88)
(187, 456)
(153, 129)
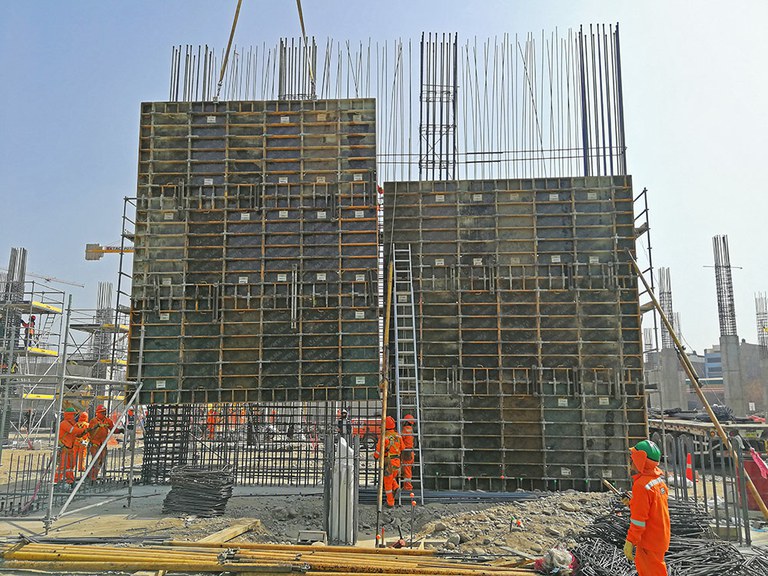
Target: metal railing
(700, 469)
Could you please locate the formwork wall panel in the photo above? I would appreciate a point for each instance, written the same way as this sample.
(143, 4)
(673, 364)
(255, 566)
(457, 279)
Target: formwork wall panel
(255, 270)
(529, 328)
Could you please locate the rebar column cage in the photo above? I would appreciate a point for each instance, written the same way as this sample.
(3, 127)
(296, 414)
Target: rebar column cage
(724, 283)
(438, 107)
(665, 299)
(761, 312)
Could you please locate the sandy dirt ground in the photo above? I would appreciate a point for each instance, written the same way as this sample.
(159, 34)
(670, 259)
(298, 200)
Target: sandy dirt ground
(473, 528)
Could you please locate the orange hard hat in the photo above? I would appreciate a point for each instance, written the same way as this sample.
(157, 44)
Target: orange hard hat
(101, 408)
(409, 418)
(390, 423)
(83, 417)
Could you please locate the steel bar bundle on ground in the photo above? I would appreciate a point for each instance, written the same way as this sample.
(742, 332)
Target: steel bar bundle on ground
(691, 552)
(179, 557)
(199, 492)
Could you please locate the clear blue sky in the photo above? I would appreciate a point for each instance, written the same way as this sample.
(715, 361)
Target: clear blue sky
(75, 72)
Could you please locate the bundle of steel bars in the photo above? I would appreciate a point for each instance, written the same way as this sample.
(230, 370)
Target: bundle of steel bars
(199, 492)
(185, 557)
(690, 553)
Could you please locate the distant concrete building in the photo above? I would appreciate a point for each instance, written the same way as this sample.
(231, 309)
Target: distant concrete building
(665, 376)
(747, 368)
(713, 362)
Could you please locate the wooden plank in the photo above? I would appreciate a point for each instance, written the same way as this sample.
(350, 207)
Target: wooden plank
(232, 532)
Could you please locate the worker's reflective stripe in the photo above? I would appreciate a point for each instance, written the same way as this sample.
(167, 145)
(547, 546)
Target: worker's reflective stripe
(637, 522)
(388, 491)
(653, 483)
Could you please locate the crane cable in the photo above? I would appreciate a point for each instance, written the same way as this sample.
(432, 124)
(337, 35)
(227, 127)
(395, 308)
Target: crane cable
(226, 54)
(306, 46)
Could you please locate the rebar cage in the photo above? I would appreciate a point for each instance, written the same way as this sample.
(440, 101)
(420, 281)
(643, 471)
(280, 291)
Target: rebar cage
(268, 443)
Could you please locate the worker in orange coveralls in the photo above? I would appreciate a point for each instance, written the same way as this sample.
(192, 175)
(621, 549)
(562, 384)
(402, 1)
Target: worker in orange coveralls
(408, 455)
(82, 442)
(393, 445)
(210, 421)
(69, 433)
(98, 430)
(649, 528)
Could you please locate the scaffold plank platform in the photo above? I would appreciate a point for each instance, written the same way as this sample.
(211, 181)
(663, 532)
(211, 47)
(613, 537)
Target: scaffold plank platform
(34, 307)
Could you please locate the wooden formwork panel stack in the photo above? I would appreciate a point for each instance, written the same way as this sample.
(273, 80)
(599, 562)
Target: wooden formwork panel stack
(256, 245)
(528, 328)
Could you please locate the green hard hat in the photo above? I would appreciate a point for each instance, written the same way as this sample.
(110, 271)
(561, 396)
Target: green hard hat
(650, 448)
(70, 409)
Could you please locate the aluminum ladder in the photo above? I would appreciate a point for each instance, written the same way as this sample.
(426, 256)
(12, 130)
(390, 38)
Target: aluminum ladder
(406, 359)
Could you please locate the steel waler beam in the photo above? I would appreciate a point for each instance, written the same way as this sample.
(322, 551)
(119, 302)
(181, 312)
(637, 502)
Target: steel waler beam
(694, 378)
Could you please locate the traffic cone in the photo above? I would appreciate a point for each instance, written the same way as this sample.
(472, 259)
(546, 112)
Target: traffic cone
(689, 468)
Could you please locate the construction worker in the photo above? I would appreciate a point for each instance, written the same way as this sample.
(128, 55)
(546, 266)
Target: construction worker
(210, 421)
(343, 425)
(68, 435)
(649, 529)
(81, 443)
(29, 331)
(98, 430)
(130, 419)
(392, 446)
(408, 456)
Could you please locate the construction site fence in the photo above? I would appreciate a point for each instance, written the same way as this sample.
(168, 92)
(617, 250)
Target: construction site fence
(700, 468)
(267, 444)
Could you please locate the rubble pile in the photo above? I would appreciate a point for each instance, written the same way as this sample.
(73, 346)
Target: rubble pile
(528, 528)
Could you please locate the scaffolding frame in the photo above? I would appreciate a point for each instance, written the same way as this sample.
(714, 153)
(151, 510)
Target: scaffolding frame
(33, 479)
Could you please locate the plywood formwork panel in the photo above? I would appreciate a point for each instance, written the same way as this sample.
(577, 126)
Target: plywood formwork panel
(255, 271)
(528, 328)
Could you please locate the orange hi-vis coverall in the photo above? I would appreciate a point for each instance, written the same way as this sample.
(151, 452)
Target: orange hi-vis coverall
(81, 443)
(98, 430)
(68, 435)
(407, 455)
(392, 447)
(649, 527)
(211, 420)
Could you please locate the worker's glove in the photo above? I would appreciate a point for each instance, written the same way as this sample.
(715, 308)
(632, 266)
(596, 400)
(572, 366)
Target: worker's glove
(629, 551)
